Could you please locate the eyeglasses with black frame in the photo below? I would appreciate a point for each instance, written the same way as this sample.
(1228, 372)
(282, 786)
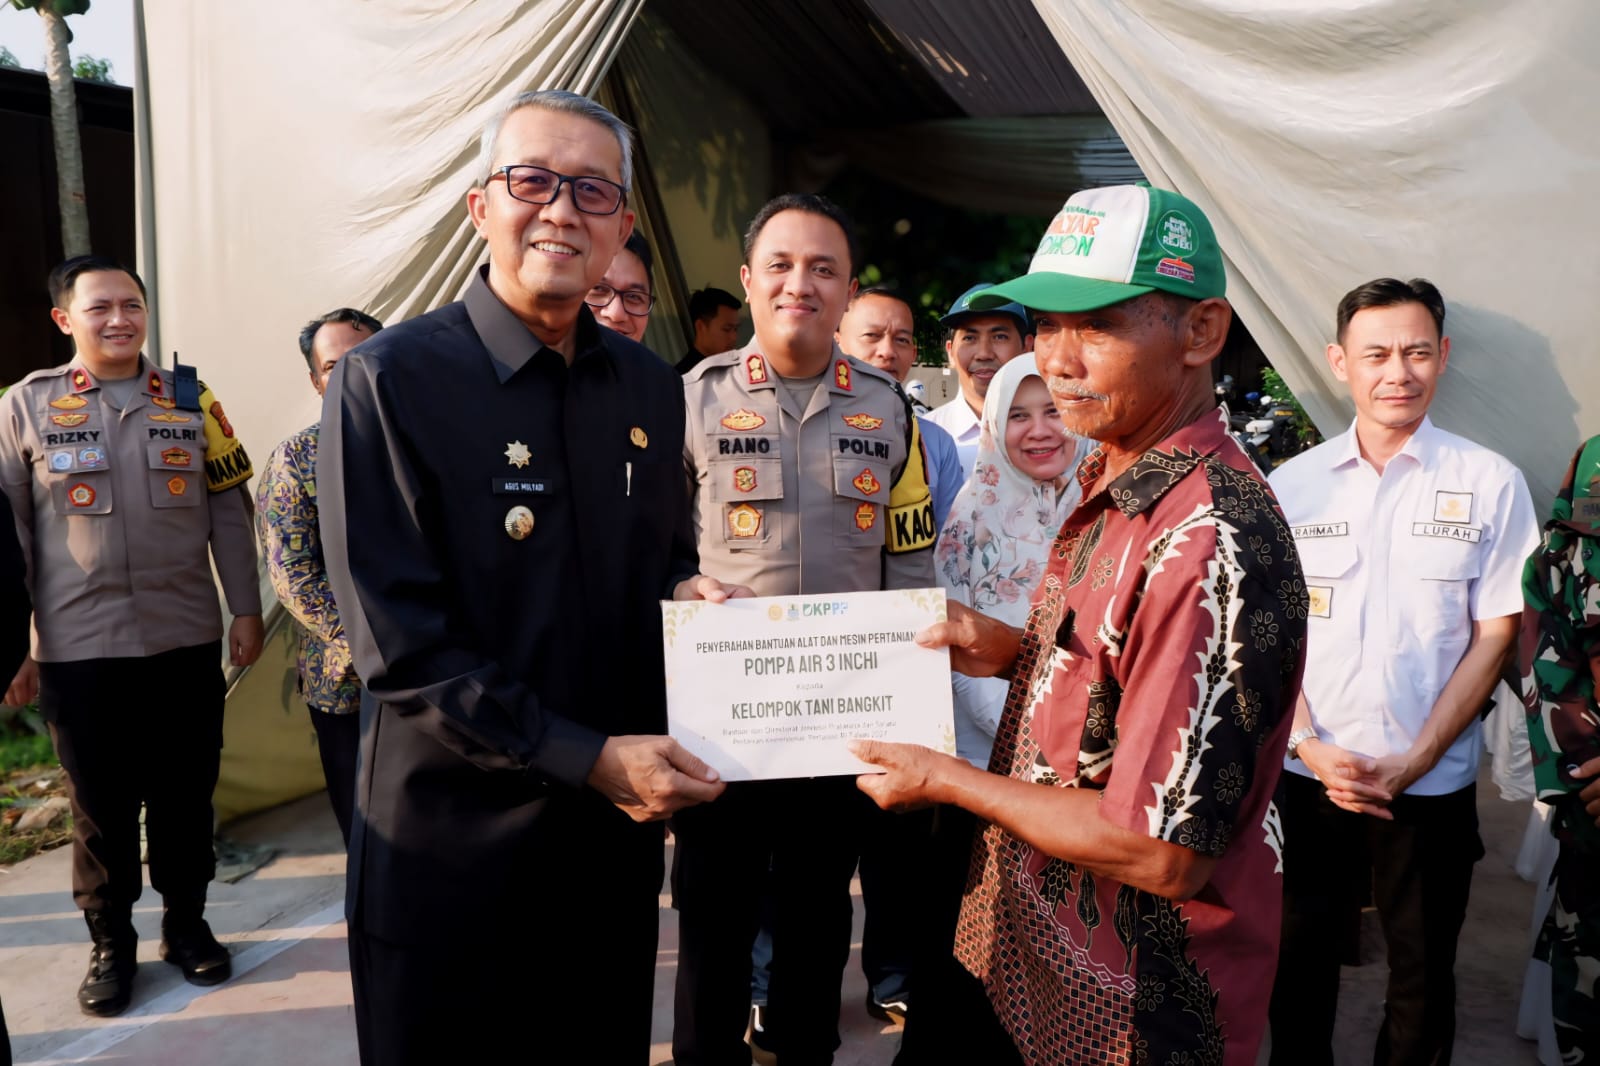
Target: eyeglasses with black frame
(539, 185)
(636, 302)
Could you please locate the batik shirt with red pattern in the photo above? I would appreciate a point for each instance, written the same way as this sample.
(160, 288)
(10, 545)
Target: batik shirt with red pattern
(1159, 668)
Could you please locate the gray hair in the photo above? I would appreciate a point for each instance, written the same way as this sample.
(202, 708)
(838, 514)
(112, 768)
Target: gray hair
(563, 101)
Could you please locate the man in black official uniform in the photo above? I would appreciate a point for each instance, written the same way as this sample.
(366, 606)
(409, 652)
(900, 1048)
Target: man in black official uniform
(502, 506)
(15, 610)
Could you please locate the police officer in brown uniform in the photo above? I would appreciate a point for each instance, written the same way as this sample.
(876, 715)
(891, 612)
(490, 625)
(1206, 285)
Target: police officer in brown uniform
(122, 475)
(808, 477)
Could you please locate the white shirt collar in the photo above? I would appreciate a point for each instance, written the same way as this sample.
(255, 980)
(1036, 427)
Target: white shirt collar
(1422, 447)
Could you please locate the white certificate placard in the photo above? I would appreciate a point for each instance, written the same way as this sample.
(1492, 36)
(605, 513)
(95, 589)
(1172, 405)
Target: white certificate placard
(778, 686)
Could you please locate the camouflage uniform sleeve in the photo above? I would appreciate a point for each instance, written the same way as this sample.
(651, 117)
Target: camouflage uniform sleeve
(1561, 585)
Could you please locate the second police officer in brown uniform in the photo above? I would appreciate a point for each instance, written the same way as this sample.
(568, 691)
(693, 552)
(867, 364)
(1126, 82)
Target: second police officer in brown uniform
(123, 477)
(808, 477)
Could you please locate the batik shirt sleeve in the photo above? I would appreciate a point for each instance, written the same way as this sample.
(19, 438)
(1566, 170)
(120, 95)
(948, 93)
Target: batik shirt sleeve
(1206, 669)
(286, 521)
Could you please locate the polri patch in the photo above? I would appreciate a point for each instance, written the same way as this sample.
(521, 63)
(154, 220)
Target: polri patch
(81, 495)
(71, 420)
(841, 375)
(866, 515)
(755, 371)
(862, 421)
(868, 484)
(91, 457)
(176, 457)
(176, 486)
(61, 461)
(744, 479)
(69, 403)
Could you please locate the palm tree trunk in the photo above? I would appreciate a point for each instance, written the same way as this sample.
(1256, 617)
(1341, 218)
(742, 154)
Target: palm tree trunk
(64, 128)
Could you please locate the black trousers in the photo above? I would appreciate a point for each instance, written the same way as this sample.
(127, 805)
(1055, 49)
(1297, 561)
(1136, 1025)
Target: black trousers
(953, 1020)
(1420, 871)
(896, 850)
(132, 731)
(809, 830)
(567, 978)
(339, 746)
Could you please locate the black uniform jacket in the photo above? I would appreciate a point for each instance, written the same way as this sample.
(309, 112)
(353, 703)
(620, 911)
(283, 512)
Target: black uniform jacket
(15, 610)
(497, 657)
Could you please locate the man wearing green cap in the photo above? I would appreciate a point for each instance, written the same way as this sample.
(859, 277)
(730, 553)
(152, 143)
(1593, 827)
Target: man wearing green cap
(977, 344)
(1126, 895)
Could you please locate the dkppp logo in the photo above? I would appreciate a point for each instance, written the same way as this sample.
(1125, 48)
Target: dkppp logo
(796, 612)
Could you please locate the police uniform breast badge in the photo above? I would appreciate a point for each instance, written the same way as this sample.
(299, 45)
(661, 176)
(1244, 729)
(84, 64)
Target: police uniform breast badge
(744, 521)
(742, 420)
(517, 454)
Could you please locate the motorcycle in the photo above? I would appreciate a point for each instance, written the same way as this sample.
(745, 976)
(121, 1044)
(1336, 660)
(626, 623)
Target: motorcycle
(1240, 421)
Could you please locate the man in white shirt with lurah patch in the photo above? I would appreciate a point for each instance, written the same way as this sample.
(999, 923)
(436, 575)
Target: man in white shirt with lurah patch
(1412, 542)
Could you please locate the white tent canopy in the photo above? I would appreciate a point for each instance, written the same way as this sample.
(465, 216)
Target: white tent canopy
(303, 155)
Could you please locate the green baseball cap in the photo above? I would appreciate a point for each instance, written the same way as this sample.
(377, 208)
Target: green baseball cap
(1113, 244)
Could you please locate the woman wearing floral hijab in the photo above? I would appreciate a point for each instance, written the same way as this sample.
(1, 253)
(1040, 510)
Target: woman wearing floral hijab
(991, 551)
(990, 557)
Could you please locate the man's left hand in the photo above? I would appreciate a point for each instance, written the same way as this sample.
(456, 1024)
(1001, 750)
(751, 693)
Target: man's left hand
(245, 637)
(704, 587)
(1395, 773)
(912, 773)
(1590, 796)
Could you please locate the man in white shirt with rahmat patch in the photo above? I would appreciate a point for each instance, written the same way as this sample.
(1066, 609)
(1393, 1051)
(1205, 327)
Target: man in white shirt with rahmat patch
(1412, 542)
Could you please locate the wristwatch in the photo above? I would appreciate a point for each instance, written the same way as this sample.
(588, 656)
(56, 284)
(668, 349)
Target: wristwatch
(1299, 737)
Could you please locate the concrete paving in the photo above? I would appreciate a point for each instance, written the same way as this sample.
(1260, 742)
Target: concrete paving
(290, 1000)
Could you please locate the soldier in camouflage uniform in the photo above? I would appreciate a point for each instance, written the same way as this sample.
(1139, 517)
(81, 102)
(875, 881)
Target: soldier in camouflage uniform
(1562, 587)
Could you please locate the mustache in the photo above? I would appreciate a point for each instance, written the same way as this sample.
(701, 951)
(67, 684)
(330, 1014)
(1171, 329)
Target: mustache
(1072, 388)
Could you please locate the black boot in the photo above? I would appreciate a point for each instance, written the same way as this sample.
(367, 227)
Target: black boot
(187, 943)
(108, 986)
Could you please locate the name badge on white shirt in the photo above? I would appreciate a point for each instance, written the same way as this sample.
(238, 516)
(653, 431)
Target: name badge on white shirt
(1324, 529)
(1471, 534)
